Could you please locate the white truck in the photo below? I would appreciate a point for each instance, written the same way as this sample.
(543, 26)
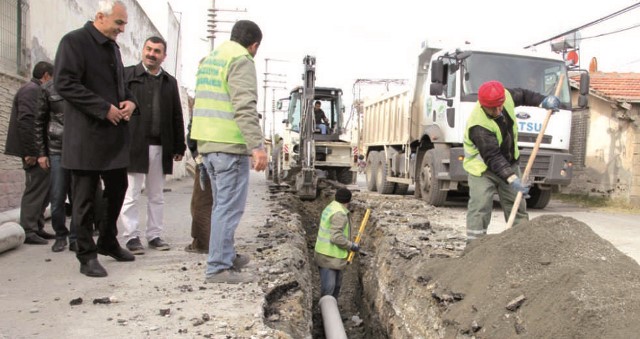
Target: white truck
(415, 136)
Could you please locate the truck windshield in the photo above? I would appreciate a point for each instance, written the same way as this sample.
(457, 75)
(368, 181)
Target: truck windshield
(514, 71)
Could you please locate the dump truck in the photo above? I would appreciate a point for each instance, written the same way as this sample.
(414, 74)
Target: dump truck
(415, 136)
(303, 155)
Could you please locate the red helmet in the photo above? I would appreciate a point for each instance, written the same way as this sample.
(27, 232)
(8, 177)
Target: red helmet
(491, 94)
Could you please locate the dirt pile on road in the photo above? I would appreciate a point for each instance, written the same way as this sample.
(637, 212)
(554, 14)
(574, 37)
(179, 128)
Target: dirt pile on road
(552, 277)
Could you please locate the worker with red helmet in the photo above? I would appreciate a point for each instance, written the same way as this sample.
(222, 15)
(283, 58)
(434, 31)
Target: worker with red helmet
(491, 153)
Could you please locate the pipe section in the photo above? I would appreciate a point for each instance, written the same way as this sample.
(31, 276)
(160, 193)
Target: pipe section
(331, 320)
(11, 236)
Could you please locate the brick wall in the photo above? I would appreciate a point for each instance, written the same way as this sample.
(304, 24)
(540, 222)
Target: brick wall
(11, 173)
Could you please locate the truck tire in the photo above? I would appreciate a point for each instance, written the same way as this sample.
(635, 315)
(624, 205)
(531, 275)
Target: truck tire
(344, 175)
(429, 183)
(538, 199)
(382, 185)
(401, 189)
(371, 169)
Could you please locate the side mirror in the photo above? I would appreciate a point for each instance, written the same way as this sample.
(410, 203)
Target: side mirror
(437, 71)
(583, 101)
(436, 89)
(584, 83)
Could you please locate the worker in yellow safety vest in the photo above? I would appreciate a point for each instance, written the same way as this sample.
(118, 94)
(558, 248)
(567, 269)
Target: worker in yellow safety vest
(334, 243)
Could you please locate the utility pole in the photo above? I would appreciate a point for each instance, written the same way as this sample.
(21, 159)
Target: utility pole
(213, 22)
(269, 83)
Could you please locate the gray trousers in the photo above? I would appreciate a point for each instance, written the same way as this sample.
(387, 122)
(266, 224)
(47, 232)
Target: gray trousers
(481, 191)
(34, 199)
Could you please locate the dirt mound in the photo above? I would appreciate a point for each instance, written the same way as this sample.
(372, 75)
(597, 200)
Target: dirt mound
(551, 277)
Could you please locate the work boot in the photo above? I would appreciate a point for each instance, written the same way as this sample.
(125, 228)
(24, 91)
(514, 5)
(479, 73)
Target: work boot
(59, 245)
(159, 244)
(45, 235)
(92, 268)
(118, 253)
(240, 261)
(229, 277)
(135, 246)
(34, 239)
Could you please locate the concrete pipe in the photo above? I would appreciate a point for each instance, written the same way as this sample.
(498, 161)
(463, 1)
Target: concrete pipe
(333, 327)
(11, 236)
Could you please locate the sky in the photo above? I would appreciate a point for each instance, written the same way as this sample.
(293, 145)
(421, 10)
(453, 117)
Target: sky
(369, 39)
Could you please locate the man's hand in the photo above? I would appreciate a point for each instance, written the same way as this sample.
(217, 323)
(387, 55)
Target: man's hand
(519, 186)
(259, 159)
(43, 162)
(354, 247)
(127, 107)
(177, 157)
(551, 102)
(114, 115)
(30, 161)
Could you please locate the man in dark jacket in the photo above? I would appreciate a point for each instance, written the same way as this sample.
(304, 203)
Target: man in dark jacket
(157, 139)
(89, 75)
(21, 142)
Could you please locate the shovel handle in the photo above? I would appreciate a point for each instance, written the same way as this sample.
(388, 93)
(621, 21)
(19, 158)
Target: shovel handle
(534, 153)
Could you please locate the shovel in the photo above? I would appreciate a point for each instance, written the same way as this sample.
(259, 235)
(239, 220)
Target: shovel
(532, 158)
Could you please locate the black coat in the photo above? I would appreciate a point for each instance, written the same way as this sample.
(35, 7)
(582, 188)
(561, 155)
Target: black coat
(171, 121)
(87, 75)
(50, 122)
(21, 136)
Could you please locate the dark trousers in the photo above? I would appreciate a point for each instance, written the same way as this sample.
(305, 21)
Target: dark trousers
(83, 189)
(201, 206)
(330, 282)
(34, 199)
(60, 188)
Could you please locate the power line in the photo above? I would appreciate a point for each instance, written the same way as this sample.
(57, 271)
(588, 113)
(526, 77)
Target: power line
(612, 32)
(597, 21)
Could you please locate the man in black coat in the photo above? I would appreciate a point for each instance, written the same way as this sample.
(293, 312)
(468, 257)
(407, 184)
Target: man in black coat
(89, 75)
(22, 142)
(157, 139)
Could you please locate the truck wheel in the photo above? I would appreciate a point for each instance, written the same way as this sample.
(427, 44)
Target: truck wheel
(344, 175)
(538, 199)
(382, 185)
(429, 184)
(371, 169)
(401, 189)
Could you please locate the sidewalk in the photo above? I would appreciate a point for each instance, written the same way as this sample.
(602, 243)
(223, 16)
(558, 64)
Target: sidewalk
(38, 286)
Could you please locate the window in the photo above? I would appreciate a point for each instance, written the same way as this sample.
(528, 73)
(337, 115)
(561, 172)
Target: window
(13, 28)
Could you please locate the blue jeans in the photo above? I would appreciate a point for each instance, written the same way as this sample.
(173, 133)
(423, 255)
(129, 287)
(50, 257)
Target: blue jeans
(322, 128)
(60, 187)
(330, 282)
(229, 175)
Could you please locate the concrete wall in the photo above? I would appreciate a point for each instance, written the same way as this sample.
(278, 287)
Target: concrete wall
(608, 158)
(48, 21)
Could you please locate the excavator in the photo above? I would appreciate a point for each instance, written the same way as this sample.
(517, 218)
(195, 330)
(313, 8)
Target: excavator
(303, 155)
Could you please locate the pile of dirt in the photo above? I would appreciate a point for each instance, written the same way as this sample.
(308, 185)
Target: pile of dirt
(551, 277)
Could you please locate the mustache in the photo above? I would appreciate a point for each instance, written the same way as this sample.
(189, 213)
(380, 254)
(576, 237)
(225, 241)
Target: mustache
(151, 57)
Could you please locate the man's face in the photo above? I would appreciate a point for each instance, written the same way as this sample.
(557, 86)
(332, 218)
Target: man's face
(153, 55)
(112, 25)
(316, 107)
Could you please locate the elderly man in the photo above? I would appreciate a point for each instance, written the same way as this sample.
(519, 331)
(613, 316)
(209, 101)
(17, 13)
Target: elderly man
(89, 75)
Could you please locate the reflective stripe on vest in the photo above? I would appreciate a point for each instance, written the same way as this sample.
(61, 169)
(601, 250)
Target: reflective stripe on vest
(213, 113)
(473, 162)
(323, 243)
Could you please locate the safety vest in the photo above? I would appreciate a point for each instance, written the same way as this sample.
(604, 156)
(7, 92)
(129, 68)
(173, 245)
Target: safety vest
(213, 113)
(323, 243)
(473, 162)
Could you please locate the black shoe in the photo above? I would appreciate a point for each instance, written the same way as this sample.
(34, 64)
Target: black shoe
(35, 239)
(159, 244)
(118, 253)
(59, 245)
(92, 268)
(45, 235)
(135, 246)
(73, 246)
